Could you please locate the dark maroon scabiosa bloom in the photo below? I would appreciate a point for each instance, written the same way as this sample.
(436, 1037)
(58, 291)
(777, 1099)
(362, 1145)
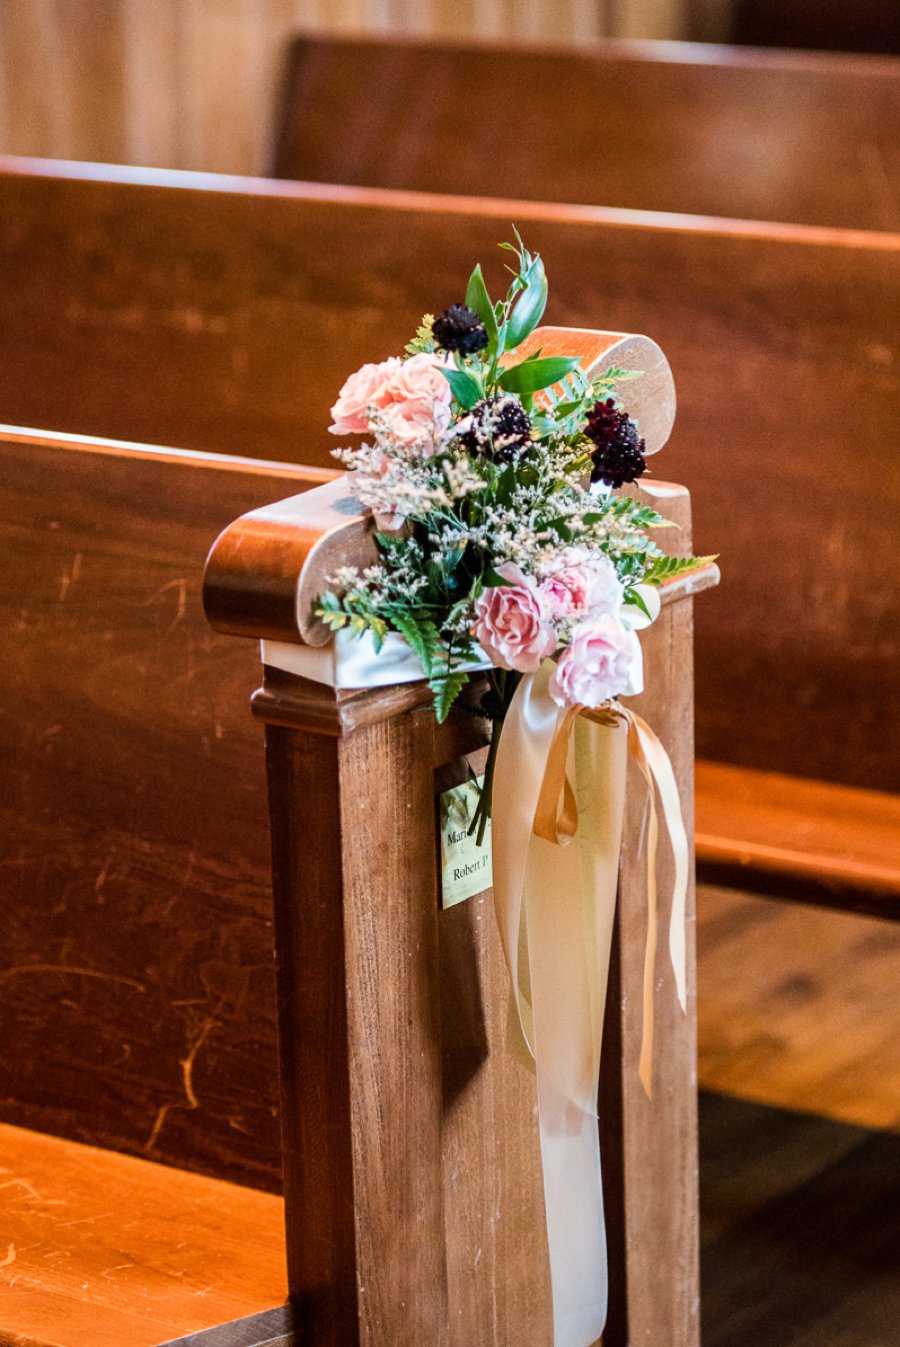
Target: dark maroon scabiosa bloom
(500, 429)
(619, 453)
(459, 329)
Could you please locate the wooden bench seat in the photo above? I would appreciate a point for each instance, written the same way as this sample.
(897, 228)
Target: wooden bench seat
(838, 846)
(104, 1250)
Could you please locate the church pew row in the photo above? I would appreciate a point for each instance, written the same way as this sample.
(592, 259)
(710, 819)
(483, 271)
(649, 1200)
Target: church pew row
(223, 314)
(226, 313)
(137, 995)
(654, 126)
(127, 300)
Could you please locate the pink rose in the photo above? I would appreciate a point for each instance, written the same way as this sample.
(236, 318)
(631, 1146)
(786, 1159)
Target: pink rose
(585, 584)
(416, 401)
(595, 665)
(364, 389)
(513, 622)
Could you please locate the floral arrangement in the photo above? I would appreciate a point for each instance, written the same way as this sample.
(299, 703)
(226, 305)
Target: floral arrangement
(490, 478)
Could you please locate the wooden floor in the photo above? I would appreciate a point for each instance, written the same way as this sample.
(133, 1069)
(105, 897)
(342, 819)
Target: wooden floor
(800, 1166)
(800, 1007)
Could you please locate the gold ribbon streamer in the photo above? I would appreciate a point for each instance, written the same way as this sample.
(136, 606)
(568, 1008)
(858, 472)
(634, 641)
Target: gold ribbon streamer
(556, 820)
(560, 777)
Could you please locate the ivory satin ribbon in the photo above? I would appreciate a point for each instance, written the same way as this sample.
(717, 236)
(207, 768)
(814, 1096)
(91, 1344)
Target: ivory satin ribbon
(560, 780)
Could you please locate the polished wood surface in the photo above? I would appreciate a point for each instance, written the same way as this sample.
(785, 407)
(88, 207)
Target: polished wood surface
(136, 981)
(799, 1024)
(272, 1328)
(430, 1228)
(700, 129)
(191, 83)
(801, 1238)
(228, 316)
(808, 840)
(650, 1146)
(403, 1112)
(107, 1250)
(798, 1007)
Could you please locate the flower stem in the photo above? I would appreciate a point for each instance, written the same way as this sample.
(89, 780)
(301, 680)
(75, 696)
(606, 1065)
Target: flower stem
(484, 804)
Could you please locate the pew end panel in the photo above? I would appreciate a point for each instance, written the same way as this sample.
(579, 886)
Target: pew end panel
(403, 1110)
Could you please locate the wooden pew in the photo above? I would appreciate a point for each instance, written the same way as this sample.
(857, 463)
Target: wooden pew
(653, 126)
(256, 299)
(233, 308)
(136, 982)
(135, 860)
(781, 339)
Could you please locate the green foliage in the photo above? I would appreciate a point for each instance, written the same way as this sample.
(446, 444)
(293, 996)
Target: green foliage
(479, 300)
(423, 341)
(468, 513)
(534, 374)
(421, 634)
(529, 305)
(466, 388)
(446, 687)
(662, 567)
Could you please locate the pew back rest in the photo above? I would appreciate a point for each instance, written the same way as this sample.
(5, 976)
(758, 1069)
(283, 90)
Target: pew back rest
(652, 126)
(136, 980)
(243, 304)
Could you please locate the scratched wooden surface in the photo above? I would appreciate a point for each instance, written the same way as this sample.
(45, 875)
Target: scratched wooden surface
(708, 130)
(103, 1250)
(136, 984)
(228, 318)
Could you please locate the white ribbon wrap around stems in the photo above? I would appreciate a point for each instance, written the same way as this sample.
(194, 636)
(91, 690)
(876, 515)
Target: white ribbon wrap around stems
(555, 906)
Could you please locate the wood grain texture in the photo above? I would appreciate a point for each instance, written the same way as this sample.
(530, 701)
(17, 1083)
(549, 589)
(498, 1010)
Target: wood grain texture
(650, 1146)
(136, 988)
(807, 840)
(711, 131)
(191, 83)
(411, 1172)
(798, 1007)
(411, 1166)
(203, 315)
(110, 1251)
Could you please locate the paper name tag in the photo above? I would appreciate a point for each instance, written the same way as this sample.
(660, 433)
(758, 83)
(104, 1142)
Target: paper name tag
(465, 866)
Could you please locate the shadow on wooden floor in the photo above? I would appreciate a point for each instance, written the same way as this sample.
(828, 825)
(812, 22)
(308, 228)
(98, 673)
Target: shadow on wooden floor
(800, 1229)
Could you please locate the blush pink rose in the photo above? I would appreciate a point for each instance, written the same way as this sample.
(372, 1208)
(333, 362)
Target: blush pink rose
(364, 389)
(416, 401)
(584, 585)
(595, 665)
(514, 622)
